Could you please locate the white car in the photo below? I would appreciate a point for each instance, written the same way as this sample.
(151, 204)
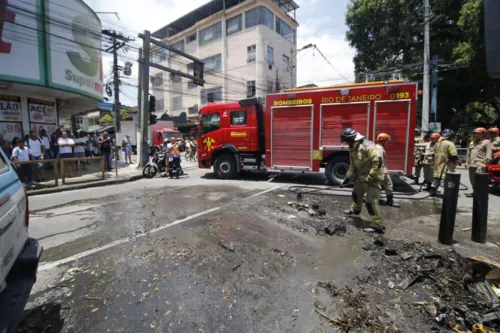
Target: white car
(19, 254)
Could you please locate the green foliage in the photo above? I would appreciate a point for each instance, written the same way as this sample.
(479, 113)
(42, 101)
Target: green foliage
(123, 112)
(106, 119)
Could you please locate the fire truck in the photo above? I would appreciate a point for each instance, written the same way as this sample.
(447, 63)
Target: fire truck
(299, 129)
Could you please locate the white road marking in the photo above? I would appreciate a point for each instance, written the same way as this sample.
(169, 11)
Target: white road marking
(53, 264)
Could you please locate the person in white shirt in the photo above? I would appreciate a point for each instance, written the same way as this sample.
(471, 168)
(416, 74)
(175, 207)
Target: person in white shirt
(47, 143)
(21, 154)
(37, 149)
(79, 149)
(66, 145)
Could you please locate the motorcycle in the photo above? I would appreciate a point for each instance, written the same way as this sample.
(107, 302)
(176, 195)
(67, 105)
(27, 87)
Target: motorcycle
(157, 164)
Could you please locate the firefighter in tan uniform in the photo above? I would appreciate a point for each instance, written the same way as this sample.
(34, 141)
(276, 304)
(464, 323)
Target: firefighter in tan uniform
(495, 139)
(478, 155)
(365, 170)
(445, 158)
(387, 185)
(428, 160)
(418, 156)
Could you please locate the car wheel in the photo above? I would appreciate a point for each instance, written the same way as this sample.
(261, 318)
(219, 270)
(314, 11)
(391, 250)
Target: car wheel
(336, 169)
(225, 167)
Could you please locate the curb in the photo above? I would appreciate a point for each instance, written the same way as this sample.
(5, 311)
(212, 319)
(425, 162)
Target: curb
(85, 185)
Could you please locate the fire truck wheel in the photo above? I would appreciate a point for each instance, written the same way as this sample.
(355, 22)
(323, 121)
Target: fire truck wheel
(225, 166)
(336, 169)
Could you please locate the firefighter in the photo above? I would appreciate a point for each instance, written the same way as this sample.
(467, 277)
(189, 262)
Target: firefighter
(478, 156)
(495, 139)
(387, 185)
(174, 158)
(365, 170)
(428, 160)
(445, 158)
(418, 156)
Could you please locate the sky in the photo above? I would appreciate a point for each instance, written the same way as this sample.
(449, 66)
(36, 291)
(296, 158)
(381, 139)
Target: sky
(321, 22)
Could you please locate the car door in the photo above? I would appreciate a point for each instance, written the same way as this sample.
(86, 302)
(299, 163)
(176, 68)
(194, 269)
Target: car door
(237, 132)
(210, 134)
(13, 226)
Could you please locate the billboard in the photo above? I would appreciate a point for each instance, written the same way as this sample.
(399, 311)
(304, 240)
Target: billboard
(73, 49)
(21, 42)
(42, 111)
(10, 108)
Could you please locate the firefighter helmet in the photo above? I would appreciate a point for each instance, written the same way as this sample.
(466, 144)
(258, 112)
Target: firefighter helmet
(348, 135)
(494, 130)
(480, 130)
(383, 137)
(447, 134)
(435, 136)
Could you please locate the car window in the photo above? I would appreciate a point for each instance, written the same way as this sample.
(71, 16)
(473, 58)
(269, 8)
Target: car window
(210, 123)
(239, 117)
(4, 166)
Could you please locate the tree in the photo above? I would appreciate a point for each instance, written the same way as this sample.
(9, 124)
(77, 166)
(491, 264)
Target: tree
(106, 119)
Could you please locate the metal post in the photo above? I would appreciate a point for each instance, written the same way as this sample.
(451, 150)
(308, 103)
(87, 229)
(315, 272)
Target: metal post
(449, 208)
(434, 88)
(116, 79)
(139, 105)
(145, 95)
(480, 208)
(425, 100)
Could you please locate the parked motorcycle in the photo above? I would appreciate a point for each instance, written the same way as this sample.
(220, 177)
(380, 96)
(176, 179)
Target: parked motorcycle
(155, 165)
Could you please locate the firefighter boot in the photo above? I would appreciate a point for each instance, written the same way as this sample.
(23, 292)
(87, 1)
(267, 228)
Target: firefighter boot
(350, 212)
(390, 201)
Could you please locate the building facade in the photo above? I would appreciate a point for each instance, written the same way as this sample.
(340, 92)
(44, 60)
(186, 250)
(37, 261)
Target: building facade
(248, 48)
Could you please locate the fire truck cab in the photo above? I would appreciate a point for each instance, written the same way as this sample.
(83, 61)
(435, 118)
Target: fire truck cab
(299, 129)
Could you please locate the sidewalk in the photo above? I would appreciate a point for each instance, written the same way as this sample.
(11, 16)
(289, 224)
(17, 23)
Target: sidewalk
(92, 177)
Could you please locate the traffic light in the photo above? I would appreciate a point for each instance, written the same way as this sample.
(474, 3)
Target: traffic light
(152, 119)
(152, 103)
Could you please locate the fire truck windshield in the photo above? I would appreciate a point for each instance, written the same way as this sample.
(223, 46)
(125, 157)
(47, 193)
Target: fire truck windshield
(210, 123)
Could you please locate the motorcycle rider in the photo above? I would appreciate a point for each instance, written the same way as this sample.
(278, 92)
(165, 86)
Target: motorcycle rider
(445, 158)
(495, 139)
(387, 185)
(174, 158)
(365, 170)
(428, 159)
(478, 156)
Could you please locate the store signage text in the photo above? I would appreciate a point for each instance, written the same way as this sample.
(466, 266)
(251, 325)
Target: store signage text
(347, 99)
(10, 108)
(41, 111)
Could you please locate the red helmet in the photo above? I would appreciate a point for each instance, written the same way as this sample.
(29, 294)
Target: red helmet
(383, 137)
(435, 136)
(494, 130)
(479, 130)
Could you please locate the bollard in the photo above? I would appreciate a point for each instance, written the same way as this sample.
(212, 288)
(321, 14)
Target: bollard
(480, 208)
(449, 208)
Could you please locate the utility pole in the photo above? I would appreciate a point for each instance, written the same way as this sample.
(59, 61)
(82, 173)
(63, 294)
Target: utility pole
(434, 87)
(146, 50)
(117, 42)
(425, 99)
(139, 106)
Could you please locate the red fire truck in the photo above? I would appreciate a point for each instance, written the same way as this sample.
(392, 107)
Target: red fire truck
(299, 129)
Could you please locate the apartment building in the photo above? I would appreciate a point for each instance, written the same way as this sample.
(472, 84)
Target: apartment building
(248, 47)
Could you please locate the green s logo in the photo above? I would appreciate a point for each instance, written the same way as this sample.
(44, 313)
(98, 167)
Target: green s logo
(85, 34)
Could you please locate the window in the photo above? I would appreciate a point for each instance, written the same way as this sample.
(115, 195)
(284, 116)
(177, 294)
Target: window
(193, 110)
(270, 87)
(158, 80)
(285, 30)
(270, 55)
(177, 103)
(259, 15)
(161, 55)
(159, 105)
(250, 88)
(176, 78)
(178, 45)
(191, 85)
(251, 56)
(210, 123)
(211, 33)
(234, 24)
(211, 95)
(285, 63)
(4, 166)
(239, 118)
(213, 64)
(191, 38)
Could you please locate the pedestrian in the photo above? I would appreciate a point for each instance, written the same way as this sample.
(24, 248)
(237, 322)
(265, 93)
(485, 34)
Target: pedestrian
(428, 160)
(6, 146)
(386, 183)
(47, 143)
(365, 171)
(37, 150)
(66, 145)
(90, 144)
(478, 156)
(22, 154)
(445, 159)
(174, 158)
(105, 148)
(55, 139)
(97, 139)
(495, 139)
(127, 149)
(418, 156)
(79, 150)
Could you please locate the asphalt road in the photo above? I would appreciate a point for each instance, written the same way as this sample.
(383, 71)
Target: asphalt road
(147, 256)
